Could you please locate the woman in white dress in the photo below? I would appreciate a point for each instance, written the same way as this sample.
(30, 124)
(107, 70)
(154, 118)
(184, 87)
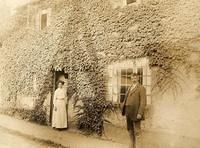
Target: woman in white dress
(59, 119)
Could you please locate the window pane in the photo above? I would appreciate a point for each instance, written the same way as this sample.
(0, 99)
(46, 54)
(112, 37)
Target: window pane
(43, 21)
(123, 72)
(123, 89)
(122, 97)
(130, 1)
(129, 82)
(140, 72)
(123, 80)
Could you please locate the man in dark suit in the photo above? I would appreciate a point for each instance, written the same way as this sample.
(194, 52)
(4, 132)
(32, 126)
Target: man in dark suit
(133, 106)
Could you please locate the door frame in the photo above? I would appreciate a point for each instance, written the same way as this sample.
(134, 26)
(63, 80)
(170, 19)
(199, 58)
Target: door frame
(56, 75)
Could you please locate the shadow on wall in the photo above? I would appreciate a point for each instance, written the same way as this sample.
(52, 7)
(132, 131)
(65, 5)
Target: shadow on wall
(179, 114)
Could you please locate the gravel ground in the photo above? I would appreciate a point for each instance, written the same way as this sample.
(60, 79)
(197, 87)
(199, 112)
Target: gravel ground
(10, 139)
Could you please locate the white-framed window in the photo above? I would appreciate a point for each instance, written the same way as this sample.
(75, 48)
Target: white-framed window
(44, 19)
(129, 2)
(119, 79)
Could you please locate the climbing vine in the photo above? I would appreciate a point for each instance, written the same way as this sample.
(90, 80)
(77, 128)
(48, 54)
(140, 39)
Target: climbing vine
(168, 59)
(83, 38)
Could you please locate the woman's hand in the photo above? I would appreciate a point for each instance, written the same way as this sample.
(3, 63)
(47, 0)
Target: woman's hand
(139, 116)
(55, 106)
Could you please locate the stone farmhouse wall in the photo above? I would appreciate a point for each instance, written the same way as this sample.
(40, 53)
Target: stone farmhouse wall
(84, 37)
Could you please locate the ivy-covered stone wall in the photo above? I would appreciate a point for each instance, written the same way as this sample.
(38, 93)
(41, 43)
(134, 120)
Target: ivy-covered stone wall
(85, 36)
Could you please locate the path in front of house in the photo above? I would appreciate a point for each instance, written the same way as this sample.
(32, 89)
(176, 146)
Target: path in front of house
(10, 139)
(115, 137)
(153, 138)
(66, 138)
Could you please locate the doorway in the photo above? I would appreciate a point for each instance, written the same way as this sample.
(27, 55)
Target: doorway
(58, 75)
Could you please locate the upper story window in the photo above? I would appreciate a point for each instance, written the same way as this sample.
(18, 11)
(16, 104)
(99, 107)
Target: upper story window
(44, 19)
(130, 1)
(119, 78)
(134, 2)
(122, 3)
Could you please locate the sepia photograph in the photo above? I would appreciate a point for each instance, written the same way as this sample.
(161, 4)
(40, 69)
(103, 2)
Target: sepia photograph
(100, 73)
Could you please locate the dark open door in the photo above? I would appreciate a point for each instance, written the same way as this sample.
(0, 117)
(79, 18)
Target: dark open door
(58, 75)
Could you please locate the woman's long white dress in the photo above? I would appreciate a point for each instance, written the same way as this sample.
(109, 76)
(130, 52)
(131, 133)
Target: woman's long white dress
(59, 118)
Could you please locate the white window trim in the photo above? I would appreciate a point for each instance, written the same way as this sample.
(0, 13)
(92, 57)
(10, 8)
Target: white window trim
(134, 64)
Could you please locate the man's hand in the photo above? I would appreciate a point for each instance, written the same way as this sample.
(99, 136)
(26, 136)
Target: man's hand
(139, 116)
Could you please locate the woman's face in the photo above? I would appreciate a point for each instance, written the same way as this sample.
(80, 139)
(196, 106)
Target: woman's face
(60, 85)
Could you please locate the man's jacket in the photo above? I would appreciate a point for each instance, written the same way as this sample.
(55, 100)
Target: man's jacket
(134, 102)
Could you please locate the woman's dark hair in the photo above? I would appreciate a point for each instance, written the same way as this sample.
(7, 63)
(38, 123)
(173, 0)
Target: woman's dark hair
(59, 81)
